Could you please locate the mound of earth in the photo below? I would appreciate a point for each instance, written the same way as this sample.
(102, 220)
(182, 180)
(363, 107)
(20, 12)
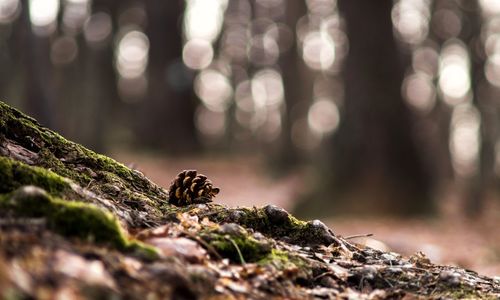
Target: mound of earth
(78, 225)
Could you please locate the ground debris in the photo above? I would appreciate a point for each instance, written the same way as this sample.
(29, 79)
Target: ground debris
(53, 193)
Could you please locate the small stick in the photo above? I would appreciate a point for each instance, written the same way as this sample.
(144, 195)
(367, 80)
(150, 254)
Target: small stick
(205, 244)
(237, 249)
(357, 236)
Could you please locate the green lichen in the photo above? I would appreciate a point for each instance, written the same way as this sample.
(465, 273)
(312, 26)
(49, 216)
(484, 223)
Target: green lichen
(72, 219)
(15, 174)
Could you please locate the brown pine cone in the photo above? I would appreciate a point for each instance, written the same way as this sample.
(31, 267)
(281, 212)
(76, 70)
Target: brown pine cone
(189, 188)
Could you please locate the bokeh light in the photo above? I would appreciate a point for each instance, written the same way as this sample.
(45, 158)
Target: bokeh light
(318, 50)
(426, 59)
(203, 19)
(321, 7)
(9, 10)
(267, 88)
(411, 20)
(132, 54)
(64, 50)
(43, 16)
(454, 75)
(197, 54)
(214, 89)
(323, 117)
(97, 28)
(281, 34)
(492, 70)
(465, 139)
(243, 96)
(74, 14)
(419, 91)
(263, 50)
(490, 7)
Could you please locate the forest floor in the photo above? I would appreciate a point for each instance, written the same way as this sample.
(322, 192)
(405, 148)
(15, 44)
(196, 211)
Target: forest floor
(449, 239)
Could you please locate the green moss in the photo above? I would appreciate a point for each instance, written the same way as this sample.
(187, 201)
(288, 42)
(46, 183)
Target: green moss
(142, 250)
(72, 219)
(249, 248)
(68, 159)
(15, 174)
(283, 226)
(276, 257)
(234, 242)
(282, 259)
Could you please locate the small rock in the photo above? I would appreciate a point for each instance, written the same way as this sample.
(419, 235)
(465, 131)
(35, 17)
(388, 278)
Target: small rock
(276, 214)
(389, 258)
(236, 215)
(258, 236)
(31, 194)
(367, 272)
(450, 277)
(232, 229)
(322, 232)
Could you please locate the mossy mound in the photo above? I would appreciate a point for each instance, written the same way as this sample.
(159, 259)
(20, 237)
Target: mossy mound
(234, 242)
(70, 219)
(24, 140)
(15, 174)
(101, 218)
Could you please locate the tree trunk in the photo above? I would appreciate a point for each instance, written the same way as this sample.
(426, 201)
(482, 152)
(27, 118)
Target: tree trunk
(167, 116)
(375, 160)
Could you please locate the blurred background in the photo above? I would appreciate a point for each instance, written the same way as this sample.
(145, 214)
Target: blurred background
(377, 116)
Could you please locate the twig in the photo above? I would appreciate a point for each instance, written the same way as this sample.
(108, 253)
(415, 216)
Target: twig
(323, 275)
(205, 244)
(357, 236)
(237, 249)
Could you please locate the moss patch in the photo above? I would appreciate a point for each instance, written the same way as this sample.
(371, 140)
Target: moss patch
(274, 222)
(72, 160)
(71, 219)
(234, 242)
(15, 174)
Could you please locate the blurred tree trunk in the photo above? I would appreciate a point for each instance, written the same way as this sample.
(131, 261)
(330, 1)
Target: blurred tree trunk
(376, 164)
(37, 68)
(166, 118)
(297, 87)
(477, 186)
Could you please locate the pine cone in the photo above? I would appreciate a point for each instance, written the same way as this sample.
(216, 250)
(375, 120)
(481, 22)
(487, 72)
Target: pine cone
(189, 188)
